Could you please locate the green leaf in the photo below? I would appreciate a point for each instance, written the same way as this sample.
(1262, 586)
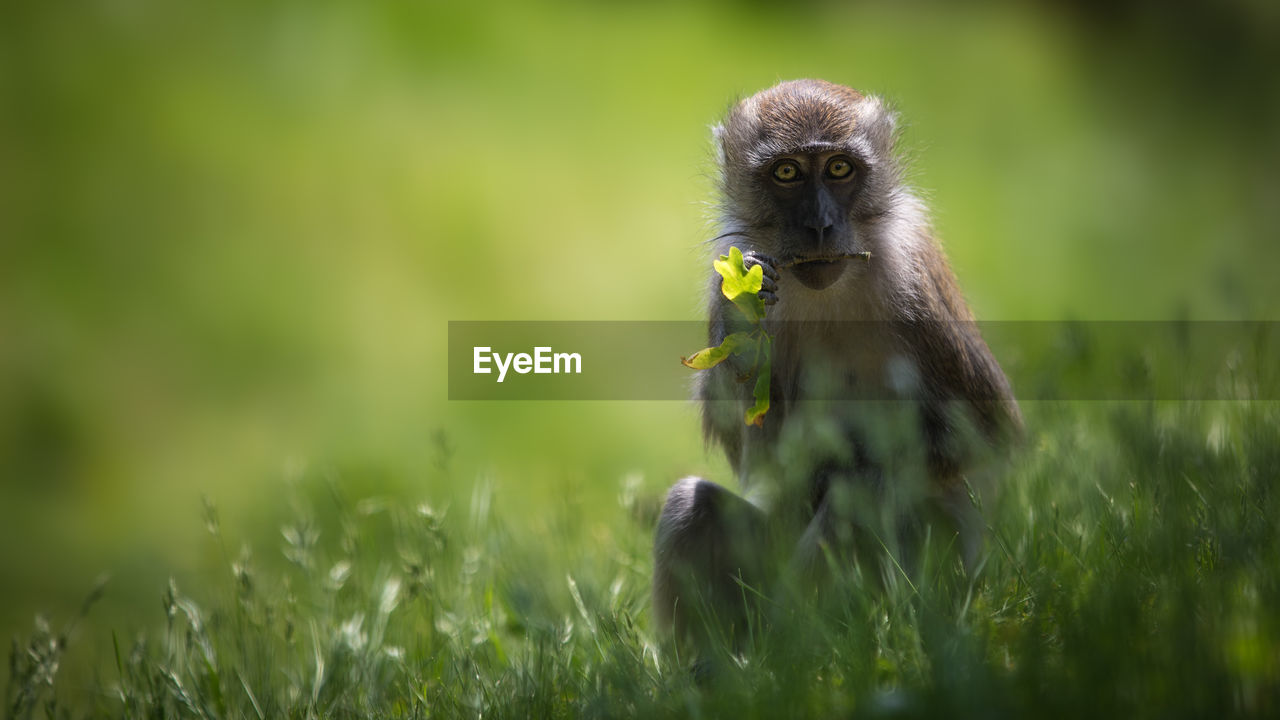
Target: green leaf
(741, 286)
(755, 413)
(738, 343)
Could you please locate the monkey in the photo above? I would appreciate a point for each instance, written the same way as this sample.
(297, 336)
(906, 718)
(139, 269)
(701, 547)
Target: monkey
(866, 352)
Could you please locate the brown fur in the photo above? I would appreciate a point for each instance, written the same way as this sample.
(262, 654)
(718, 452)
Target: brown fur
(891, 335)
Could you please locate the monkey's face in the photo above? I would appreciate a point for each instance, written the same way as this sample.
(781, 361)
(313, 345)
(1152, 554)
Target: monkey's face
(808, 175)
(813, 195)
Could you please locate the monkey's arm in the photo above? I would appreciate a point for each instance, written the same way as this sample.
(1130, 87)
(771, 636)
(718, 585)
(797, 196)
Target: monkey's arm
(957, 370)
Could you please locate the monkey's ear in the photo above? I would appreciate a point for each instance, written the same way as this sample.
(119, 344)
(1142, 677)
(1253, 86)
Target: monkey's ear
(881, 122)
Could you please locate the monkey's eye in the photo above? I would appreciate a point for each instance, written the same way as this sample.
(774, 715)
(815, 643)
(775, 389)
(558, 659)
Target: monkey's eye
(786, 172)
(839, 168)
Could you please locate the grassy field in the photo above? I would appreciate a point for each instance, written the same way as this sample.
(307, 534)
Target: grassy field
(232, 236)
(1132, 569)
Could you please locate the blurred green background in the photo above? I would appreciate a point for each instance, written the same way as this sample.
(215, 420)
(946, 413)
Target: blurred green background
(231, 234)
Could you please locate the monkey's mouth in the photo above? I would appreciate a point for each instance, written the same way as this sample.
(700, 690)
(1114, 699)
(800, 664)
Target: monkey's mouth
(818, 274)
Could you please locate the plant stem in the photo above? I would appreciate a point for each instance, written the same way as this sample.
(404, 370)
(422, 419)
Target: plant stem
(828, 258)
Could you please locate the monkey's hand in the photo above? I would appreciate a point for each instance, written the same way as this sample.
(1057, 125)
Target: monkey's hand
(769, 285)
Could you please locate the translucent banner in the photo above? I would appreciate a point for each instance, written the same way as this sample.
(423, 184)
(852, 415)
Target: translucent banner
(1044, 360)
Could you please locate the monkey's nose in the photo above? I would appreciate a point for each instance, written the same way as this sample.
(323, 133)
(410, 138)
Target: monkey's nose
(819, 232)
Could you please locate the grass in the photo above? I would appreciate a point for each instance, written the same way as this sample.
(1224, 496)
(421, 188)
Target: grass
(1132, 569)
(234, 234)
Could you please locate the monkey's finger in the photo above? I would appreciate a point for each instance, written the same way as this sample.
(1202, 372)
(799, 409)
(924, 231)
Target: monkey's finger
(764, 261)
(768, 297)
(768, 284)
